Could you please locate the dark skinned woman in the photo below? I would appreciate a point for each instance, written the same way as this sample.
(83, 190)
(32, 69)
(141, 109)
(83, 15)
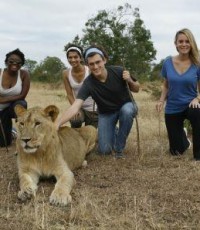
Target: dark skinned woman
(14, 86)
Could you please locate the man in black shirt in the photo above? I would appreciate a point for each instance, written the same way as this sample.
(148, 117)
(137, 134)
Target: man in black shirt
(108, 88)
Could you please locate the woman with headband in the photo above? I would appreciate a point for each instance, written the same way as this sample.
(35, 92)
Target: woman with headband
(108, 87)
(73, 79)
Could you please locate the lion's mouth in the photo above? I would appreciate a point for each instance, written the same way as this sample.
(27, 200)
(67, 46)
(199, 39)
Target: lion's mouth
(30, 149)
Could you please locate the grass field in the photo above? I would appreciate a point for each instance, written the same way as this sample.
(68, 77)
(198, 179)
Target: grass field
(148, 190)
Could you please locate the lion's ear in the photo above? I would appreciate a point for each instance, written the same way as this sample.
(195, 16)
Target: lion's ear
(52, 111)
(19, 110)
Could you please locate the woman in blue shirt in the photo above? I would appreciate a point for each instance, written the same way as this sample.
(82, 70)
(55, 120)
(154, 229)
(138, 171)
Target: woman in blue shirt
(181, 75)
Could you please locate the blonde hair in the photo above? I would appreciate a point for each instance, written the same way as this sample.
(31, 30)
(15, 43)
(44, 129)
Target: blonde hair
(194, 52)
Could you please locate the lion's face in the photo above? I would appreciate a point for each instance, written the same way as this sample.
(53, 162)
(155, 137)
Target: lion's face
(33, 131)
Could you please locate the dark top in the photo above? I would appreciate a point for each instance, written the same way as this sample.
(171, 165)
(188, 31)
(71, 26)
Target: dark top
(110, 95)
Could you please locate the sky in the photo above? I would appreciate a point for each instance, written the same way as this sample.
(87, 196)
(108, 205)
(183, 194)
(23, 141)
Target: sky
(41, 28)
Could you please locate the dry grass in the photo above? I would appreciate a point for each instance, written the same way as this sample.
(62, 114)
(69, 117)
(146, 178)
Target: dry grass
(150, 191)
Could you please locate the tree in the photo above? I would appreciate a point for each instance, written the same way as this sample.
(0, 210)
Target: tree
(156, 71)
(140, 51)
(30, 65)
(49, 70)
(123, 35)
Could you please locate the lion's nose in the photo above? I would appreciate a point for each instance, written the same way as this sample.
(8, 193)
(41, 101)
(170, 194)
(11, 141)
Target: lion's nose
(26, 140)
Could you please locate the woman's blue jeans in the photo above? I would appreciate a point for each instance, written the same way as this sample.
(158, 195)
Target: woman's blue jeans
(113, 138)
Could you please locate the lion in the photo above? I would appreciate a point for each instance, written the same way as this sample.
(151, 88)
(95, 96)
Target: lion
(44, 151)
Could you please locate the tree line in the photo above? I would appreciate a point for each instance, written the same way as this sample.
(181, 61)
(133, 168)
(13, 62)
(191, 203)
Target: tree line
(122, 33)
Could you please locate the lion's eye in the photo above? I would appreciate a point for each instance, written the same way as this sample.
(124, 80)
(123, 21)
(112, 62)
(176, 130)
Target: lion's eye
(37, 123)
(21, 123)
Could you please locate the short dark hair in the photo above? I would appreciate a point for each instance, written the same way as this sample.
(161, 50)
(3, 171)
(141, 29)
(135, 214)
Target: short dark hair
(99, 47)
(16, 52)
(71, 45)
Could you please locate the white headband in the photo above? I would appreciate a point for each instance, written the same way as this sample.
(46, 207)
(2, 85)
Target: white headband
(74, 48)
(93, 50)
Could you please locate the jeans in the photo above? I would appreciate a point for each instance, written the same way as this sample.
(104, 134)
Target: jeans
(113, 138)
(178, 142)
(6, 119)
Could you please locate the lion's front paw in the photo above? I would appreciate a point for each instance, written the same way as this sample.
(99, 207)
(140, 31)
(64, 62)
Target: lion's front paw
(26, 193)
(60, 198)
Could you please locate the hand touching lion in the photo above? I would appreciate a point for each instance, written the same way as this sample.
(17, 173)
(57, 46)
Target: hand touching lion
(44, 151)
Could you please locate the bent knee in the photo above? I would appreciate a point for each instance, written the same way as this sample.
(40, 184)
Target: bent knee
(130, 110)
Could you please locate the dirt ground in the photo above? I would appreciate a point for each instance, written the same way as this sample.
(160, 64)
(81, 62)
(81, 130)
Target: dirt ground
(148, 190)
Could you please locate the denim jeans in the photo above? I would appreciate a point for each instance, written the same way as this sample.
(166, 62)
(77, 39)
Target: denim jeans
(113, 138)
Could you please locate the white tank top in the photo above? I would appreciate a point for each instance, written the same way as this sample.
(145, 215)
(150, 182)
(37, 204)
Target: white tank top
(15, 90)
(89, 102)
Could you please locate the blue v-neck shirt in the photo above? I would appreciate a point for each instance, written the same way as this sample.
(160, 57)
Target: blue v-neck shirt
(182, 88)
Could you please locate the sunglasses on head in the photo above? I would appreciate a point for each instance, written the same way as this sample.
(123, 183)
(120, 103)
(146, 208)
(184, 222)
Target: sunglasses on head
(14, 62)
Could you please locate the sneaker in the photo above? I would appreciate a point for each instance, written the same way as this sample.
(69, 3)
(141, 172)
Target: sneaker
(14, 133)
(119, 155)
(186, 133)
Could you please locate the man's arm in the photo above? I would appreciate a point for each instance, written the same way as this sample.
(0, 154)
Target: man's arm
(133, 84)
(69, 113)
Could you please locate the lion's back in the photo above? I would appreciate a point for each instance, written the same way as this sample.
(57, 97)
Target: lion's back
(73, 146)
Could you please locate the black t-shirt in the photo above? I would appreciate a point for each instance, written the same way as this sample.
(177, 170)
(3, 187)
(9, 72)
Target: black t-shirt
(109, 95)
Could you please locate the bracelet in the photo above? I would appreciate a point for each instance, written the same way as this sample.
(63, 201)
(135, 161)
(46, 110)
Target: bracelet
(161, 101)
